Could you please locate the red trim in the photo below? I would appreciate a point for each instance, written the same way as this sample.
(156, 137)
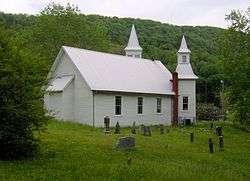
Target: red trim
(175, 99)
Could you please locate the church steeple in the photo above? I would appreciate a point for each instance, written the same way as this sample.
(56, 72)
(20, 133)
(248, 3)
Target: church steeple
(183, 52)
(184, 68)
(133, 48)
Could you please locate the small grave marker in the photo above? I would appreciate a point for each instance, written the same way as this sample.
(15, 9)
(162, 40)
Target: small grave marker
(106, 124)
(211, 125)
(133, 129)
(117, 128)
(210, 145)
(221, 143)
(146, 131)
(192, 137)
(126, 143)
(219, 131)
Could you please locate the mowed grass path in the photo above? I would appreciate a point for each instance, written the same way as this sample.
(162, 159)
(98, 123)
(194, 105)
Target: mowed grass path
(71, 151)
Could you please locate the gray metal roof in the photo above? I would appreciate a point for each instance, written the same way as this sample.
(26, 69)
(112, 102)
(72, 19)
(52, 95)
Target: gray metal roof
(185, 71)
(59, 83)
(110, 72)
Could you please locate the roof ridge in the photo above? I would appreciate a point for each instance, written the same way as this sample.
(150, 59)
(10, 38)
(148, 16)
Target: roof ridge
(125, 57)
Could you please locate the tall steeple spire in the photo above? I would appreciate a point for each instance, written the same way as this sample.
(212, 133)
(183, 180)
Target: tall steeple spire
(133, 48)
(183, 47)
(184, 68)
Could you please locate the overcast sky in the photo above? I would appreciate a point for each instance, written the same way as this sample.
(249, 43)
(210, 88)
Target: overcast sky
(179, 12)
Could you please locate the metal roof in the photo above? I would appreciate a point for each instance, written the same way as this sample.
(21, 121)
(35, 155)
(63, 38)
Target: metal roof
(59, 83)
(185, 71)
(110, 72)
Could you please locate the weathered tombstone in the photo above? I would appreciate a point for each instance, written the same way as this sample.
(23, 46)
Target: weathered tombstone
(211, 125)
(106, 124)
(221, 143)
(117, 128)
(126, 143)
(192, 137)
(146, 131)
(133, 129)
(210, 145)
(219, 131)
(161, 129)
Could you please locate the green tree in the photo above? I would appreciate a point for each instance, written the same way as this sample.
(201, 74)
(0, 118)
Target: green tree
(57, 26)
(21, 109)
(236, 65)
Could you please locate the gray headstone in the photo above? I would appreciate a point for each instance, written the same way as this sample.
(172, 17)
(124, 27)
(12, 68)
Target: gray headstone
(126, 143)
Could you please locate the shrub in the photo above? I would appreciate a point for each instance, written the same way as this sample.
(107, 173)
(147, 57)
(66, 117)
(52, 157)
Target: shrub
(208, 112)
(21, 108)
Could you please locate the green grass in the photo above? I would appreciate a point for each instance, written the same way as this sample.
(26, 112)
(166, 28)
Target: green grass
(72, 151)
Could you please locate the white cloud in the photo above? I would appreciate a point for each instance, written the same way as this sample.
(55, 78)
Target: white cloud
(180, 12)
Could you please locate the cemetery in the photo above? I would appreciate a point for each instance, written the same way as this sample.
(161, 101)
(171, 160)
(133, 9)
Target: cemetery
(71, 150)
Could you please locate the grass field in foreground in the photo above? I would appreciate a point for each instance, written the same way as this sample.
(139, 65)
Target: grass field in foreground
(71, 151)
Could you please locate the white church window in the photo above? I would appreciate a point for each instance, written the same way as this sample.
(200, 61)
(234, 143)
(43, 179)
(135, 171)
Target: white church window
(185, 103)
(184, 58)
(158, 105)
(140, 105)
(118, 105)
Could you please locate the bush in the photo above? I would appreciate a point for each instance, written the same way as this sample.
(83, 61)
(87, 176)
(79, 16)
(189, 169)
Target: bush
(21, 108)
(208, 112)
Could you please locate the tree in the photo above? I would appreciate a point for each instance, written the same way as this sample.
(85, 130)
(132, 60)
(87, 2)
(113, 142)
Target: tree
(58, 26)
(236, 65)
(21, 109)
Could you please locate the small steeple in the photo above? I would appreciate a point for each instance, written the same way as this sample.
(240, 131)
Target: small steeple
(183, 47)
(133, 48)
(184, 68)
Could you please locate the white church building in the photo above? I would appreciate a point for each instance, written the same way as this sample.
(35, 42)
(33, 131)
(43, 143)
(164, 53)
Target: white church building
(85, 86)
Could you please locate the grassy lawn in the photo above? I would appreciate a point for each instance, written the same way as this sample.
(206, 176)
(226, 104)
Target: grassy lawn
(75, 152)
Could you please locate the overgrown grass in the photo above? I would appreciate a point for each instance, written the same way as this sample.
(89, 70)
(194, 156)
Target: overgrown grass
(72, 151)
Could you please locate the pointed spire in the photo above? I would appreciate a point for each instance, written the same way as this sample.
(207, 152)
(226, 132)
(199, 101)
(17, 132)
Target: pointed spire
(133, 43)
(183, 47)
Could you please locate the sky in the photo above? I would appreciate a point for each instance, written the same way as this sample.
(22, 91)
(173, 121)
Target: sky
(178, 12)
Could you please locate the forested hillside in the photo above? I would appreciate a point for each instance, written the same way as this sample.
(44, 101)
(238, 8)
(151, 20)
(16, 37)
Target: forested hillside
(44, 34)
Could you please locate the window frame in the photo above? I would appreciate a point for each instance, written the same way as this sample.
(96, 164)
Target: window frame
(119, 113)
(184, 60)
(139, 106)
(185, 102)
(158, 105)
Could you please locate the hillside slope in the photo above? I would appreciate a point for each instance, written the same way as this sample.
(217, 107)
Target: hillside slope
(75, 152)
(158, 40)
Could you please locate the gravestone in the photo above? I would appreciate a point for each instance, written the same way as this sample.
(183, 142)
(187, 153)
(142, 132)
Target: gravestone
(161, 129)
(219, 131)
(106, 124)
(221, 143)
(211, 125)
(133, 129)
(117, 128)
(192, 137)
(126, 143)
(145, 130)
(210, 145)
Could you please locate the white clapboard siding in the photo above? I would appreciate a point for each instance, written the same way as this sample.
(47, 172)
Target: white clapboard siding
(105, 106)
(187, 88)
